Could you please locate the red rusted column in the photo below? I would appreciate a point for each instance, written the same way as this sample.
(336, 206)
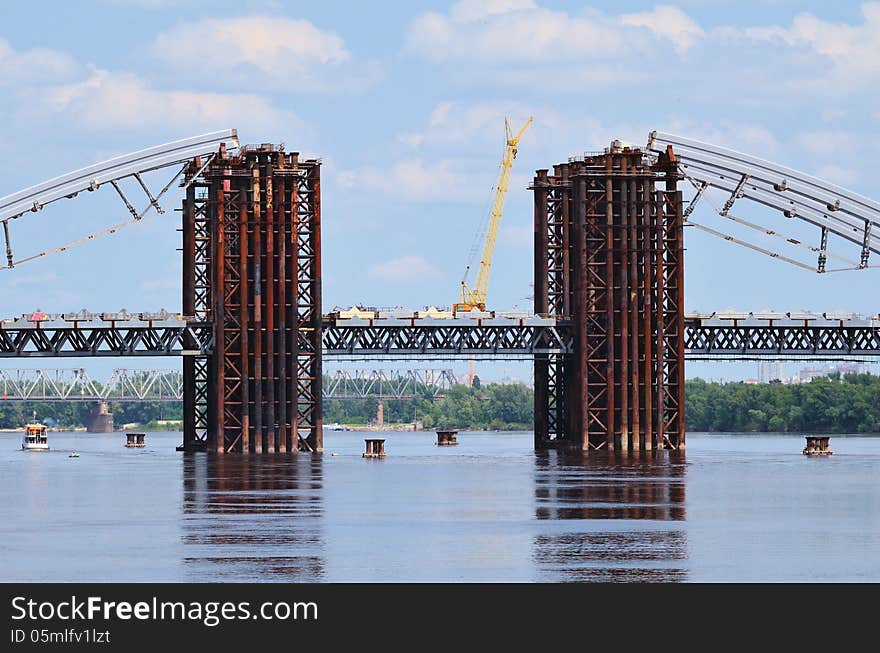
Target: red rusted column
(256, 327)
(188, 305)
(269, 313)
(646, 318)
(244, 295)
(563, 172)
(576, 372)
(281, 313)
(219, 316)
(293, 313)
(622, 294)
(636, 314)
(660, 317)
(609, 308)
(317, 432)
(541, 362)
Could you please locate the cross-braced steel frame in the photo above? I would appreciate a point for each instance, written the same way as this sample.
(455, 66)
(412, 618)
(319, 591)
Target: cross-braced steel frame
(608, 257)
(252, 267)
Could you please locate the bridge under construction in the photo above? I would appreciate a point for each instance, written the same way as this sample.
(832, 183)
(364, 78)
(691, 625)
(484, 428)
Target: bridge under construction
(608, 334)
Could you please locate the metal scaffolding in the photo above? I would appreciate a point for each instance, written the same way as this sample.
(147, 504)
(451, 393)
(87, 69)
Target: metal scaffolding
(252, 267)
(608, 257)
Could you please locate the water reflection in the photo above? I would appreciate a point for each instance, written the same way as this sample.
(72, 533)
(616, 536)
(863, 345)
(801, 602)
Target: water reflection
(253, 517)
(609, 517)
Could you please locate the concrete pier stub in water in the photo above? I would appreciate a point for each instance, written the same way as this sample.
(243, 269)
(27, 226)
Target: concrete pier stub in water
(100, 419)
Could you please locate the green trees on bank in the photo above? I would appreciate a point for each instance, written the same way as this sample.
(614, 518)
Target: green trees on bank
(831, 404)
(508, 406)
(14, 414)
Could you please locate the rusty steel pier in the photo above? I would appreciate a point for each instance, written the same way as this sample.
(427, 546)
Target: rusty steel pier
(609, 262)
(251, 268)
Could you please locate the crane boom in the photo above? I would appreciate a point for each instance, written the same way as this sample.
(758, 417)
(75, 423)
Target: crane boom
(470, 298)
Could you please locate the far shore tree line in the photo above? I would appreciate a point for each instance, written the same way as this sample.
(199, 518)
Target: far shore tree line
(835, 403)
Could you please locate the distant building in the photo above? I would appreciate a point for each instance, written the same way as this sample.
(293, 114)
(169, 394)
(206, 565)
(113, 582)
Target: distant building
(807, 374)
(769, 371)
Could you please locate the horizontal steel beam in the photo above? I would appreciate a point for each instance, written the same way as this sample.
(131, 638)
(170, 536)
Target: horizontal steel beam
(106, 341)
(739, 341)
(441, 341)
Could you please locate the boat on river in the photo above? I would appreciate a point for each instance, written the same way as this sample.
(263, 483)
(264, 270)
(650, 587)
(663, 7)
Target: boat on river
(34, 438)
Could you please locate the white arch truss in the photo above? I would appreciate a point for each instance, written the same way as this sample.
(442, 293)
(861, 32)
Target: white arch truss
(831, 208)
(93, 177)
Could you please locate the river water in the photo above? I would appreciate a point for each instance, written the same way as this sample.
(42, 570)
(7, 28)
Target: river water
(734, 507)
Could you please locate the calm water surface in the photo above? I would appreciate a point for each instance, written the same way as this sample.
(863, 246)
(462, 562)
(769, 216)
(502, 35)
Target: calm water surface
(734, 508)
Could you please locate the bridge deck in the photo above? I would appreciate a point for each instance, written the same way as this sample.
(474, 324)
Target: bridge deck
(437, 340)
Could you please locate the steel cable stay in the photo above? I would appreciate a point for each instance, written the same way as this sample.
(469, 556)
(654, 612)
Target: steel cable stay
(701, 194)
(835, 210)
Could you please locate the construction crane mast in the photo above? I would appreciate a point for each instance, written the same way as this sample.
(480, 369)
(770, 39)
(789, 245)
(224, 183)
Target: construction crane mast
(470, 298)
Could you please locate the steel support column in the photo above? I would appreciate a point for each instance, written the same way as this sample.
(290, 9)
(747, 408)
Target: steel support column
(621, 287)
(262, 214)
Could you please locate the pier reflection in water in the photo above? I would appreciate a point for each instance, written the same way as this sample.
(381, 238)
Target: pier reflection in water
(610, 517)
(249, 518)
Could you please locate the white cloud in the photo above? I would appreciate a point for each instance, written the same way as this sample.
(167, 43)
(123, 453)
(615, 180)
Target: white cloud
(35, 67)
(471, 10)
(526, 35)
(152, 4)
(289, 53)
(827, 142)
(853, 50)
(124, 101)
(412, 180)
(409, 269)
(458, 123)
(846, 177)
(750, 138)
(670, 23)
(13, 281)
(522, 32)
(457, 127)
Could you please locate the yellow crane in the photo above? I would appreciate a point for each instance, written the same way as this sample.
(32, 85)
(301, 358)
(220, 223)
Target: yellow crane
(470, 298)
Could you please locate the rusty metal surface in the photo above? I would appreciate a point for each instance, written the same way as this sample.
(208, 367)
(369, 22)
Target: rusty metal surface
(252, 255)
(613, 268)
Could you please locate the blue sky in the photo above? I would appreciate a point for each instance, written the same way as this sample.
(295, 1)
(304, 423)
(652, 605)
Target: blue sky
(404, 102)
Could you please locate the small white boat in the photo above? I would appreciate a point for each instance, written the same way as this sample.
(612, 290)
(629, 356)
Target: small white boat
(34, 438)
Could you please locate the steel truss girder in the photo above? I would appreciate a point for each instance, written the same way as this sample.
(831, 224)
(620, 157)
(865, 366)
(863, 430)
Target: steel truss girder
(77, 385)
(813, 341)
(388, 384)
(445, 341)
(194, 338)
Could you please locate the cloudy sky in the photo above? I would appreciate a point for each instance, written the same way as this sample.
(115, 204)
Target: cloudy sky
(404, 102)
